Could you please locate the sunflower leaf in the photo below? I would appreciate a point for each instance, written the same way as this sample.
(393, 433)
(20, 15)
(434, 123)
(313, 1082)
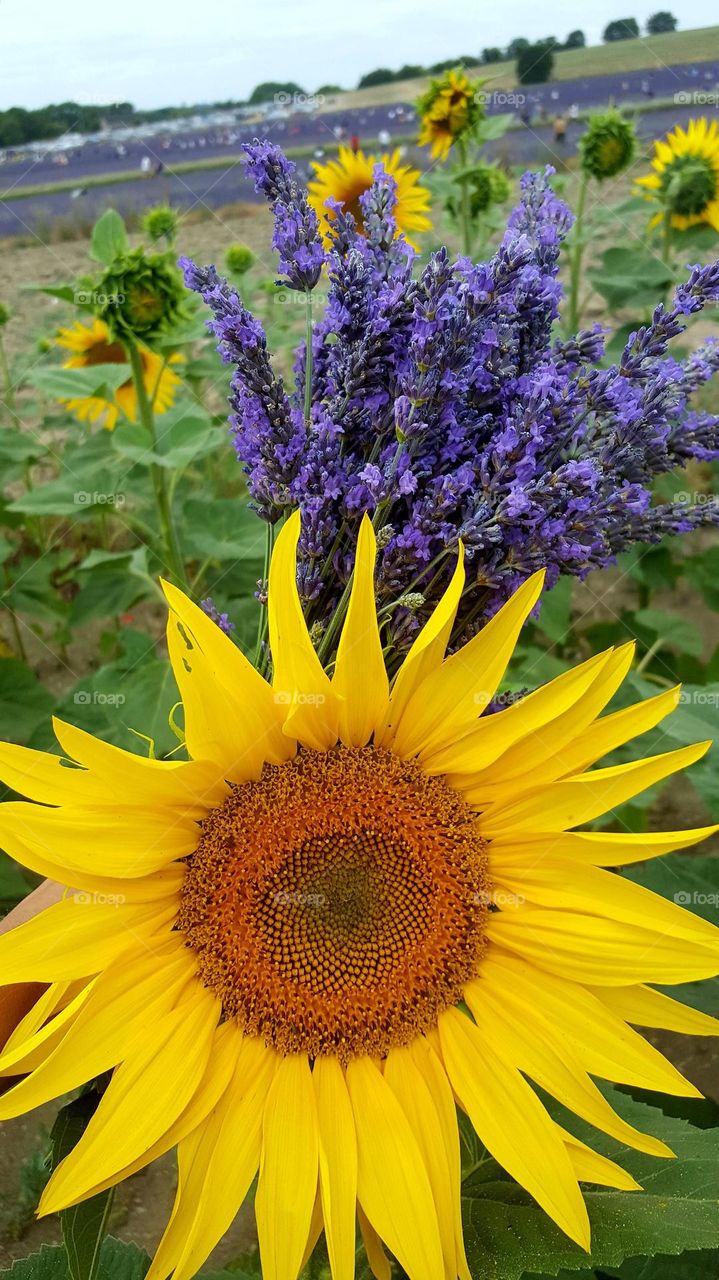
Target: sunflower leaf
(508, 1236)
(119, 1260)
(109, 238)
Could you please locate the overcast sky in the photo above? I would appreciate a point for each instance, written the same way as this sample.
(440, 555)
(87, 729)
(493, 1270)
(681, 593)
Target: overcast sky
(162, 52)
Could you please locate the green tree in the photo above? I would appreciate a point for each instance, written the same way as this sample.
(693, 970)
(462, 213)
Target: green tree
(516, 46)
(535, 64)
(270, 89)
(661, 22)
(492, 54)
(621, 29)
(381, 76)
(575, 40)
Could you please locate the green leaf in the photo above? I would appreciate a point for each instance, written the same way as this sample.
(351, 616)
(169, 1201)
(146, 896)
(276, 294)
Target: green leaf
(225, 530)
(183, 434)
(14, 885)
(631, 276)
(83, 1225)
(118, 1261)
(674, 631)
(70, 384)
(555, 612)
(109, 238)
(508, 1236)
(24, 702)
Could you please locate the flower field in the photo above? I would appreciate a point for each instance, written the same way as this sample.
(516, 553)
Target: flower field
(359, 670)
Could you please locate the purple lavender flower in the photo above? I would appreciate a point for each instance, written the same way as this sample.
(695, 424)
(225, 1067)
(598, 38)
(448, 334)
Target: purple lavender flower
(444, 405)
(222, 619)
(296, 236)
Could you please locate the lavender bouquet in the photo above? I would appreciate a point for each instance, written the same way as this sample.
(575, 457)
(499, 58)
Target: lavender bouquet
(440, 401)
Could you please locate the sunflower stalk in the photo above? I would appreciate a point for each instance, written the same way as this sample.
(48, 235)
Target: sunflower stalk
(575, 267)
(172, 553)
(465, 206)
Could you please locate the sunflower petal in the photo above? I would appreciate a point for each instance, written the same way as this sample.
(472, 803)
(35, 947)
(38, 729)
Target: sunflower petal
(425, 654)
(218, 1165)
(451, 698)
(288, 1169)
(392, 1183)
(146, 1095)
(512, 1123)
(495, 734)
(363, 702)
(561, 805)
(337, 1165)
(301, 687)
(647, 1008)
(602, 952)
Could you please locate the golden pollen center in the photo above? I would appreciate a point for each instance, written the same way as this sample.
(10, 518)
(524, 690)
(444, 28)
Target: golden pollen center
(338, 904)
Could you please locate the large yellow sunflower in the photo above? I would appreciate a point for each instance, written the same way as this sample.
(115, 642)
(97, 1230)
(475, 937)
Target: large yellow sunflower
(686, 175)
(348, 177)
(354, 907)
(92, 344)
(447, 111)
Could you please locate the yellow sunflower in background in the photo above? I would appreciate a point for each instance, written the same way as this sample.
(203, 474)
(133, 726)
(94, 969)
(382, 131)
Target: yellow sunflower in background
(91, 344)
(686, 175)
(348, 177)
(353, 907)
(448, 109)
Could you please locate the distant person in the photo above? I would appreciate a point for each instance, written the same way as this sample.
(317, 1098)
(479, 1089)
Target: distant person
(384, 137)
(574, 111)
(559, 129)
(355, 144)
(525, 115)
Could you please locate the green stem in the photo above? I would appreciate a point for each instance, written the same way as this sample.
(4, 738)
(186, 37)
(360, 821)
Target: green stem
(575, 268)
(308, 357)
(8, 389)
(465, 205)
(172, 554)
(667, 236)
(262, 622)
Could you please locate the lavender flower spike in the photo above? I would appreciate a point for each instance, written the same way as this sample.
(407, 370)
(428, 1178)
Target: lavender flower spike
(296, 235)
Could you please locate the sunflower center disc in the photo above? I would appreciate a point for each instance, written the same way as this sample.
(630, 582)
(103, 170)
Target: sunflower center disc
(338, 904)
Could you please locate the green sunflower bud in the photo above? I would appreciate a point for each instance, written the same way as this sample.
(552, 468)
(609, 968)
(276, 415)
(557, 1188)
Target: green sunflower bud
(608, 146)
(689, 184)
(160, 223)
(239, 259)
(140, 296)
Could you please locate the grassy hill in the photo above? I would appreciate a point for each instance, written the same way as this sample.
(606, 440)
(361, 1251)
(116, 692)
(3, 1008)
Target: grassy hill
(701, 45)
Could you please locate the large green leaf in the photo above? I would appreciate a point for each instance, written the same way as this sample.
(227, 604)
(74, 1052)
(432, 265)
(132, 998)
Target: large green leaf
(118, 1261)
(24, 702)
(84, 1225)
(631, 276)
(508, 1236)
